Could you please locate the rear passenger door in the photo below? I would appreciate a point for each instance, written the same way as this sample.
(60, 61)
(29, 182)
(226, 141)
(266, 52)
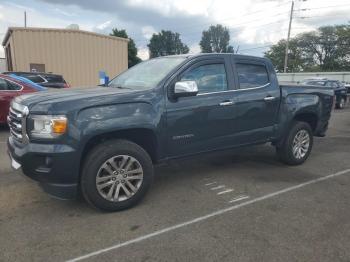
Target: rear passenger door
(258, 99)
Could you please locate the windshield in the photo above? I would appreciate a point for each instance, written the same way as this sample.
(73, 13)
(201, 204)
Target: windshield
(147, 74)
(29, 82)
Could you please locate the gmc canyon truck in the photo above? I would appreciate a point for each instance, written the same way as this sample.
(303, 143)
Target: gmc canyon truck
(104, 142)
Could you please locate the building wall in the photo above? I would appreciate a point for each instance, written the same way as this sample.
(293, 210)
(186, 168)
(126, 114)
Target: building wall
(75, 54)
(9, 47)
(295, 77)
(2, 64)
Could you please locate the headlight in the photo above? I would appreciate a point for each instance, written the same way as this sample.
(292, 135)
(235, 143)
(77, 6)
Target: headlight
(47, 126)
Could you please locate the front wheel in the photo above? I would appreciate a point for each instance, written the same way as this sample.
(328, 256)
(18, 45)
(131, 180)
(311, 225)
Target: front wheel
(297, 145)
(116, 175)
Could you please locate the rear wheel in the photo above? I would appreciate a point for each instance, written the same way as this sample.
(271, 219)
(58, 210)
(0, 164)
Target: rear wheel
(297, 145)
(341, 103)
(116, 175)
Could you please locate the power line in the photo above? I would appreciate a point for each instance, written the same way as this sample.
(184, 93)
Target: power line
(235, 17)
(315, 16)
(231, 26)
(229, 18)
(247, 14)
(259, 47)
(231, 29)
(330, 6)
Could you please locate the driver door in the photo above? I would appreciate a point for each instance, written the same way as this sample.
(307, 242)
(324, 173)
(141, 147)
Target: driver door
(206, 121)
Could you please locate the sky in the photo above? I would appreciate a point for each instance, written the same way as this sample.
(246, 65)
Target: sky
(254, 25)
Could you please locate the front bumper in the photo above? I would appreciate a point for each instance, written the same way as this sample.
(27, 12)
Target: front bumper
(54, 166)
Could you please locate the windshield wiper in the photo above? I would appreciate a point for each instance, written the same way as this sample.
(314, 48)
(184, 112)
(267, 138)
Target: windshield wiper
(120, 87)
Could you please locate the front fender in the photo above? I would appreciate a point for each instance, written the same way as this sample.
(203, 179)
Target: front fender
(99, 120)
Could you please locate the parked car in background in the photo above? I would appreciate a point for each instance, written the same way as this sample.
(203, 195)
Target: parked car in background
(44, 79)
(340, 91)
(10, 87)
(104, 142)
(347, 86)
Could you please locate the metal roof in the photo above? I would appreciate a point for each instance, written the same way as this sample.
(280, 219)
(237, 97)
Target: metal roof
(11, 29)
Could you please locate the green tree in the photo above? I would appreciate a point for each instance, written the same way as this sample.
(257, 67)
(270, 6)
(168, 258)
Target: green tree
(166, 43)
(329, 47)
(216, 40)
(133, 59)
(297, 61)
(343, 32)
(326, 49)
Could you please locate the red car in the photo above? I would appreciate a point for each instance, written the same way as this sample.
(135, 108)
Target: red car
(11, 87)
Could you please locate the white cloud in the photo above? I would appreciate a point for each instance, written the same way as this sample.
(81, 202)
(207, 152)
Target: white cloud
(251, 22)
(194, 49)
(168, 7)
(23, 7)
(35, 18)
(148, 31)
(65, 13)
(104, 25)
(143, 53)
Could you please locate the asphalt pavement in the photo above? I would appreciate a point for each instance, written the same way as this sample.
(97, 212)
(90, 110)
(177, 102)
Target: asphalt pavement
(239, 205)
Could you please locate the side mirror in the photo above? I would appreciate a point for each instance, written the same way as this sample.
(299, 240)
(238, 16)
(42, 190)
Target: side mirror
(185, 88)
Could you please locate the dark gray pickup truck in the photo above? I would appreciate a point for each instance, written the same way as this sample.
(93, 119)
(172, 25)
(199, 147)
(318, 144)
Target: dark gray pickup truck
(104, 142)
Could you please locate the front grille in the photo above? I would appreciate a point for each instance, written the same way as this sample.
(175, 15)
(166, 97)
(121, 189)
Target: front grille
(17, 121)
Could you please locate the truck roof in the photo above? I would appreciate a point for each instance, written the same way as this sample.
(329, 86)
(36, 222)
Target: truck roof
(218, 55)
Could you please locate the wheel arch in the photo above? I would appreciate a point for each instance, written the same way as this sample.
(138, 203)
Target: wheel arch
(144, 137)
(308, 117)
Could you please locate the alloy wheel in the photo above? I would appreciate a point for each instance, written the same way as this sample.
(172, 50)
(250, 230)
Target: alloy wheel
(301, 144)
(119, 178)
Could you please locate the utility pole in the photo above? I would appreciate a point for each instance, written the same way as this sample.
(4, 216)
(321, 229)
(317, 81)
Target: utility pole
(25, 19)
(287, 44)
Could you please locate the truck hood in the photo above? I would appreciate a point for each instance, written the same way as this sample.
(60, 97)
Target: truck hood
(61, 101)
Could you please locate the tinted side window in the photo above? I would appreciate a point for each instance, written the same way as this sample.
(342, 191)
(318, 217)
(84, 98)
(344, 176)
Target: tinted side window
(13, 86)
(209, 78)
(329, 84)
(3, 84)
(316, 83)
(251, 75)
(34, 78)
(53, 78)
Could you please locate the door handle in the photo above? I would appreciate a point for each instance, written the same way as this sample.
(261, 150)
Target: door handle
(226, 103)
(269, 98)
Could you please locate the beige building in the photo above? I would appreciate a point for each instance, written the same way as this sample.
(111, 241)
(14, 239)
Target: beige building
(76, 54)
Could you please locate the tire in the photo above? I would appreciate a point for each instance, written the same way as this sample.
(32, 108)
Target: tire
(286, 153)
(341, 103)
(116, 164)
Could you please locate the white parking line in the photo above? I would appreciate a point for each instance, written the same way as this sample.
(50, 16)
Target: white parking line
(209, 184)
(217, 187)
(224, 192)
(239, 198)
(205, 217)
